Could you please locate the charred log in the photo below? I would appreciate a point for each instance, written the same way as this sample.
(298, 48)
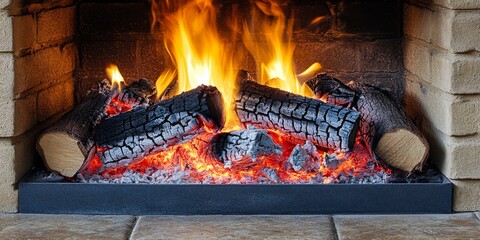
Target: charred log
(68, 145)
(130, 136)
(137, 92)
(238, 149)
(300, 118)
(389, 133)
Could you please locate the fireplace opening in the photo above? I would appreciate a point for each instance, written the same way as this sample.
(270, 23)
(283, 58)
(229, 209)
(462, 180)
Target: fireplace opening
(238, 93)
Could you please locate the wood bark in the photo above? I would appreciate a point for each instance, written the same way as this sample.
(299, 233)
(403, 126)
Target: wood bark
(237, 149)
(68, 145)
(389, 133)
(128, 137)
(298, 117)
(137, 92)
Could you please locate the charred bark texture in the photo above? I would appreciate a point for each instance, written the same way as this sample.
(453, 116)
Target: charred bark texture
(145, 130)
(238, 149)
(137, 92)
(68, 145)
(298, 117)
(389, 133)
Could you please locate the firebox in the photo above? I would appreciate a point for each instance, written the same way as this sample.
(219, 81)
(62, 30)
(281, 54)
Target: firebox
(196, 115)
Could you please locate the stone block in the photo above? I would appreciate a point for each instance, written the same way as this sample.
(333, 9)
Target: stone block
(6, 32)
(8, 198)
(7, 109)
(454, 115)
(456, 157)
(54, 100)
(466, 195)
(49, 28)
(44, 67)
(428, 226)
(7, 166)
(453, 73)
(25, 117)
(234, 227)
(32, 226)
(6, 76)
(24, 32)
(417, 22)
(4, 3)
(454, 30)
(7, 105)
(417, 60)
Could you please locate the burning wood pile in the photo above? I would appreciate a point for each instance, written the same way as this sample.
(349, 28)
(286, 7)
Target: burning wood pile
(222, 128)
(284, 137)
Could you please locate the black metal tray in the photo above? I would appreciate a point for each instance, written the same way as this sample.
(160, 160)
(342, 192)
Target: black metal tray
(61, 197)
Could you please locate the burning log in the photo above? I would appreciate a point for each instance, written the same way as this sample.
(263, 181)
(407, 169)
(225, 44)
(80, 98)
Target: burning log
(145, 130)
(300, 118)
(238, 149)
(68, 144)
(388, 132)
(137, 92)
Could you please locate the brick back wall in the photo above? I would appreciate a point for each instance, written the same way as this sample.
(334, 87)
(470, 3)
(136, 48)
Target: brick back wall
(360, 40)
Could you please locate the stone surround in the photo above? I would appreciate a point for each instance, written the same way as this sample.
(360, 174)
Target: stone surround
(442, 88)
(39, 56)
(37, 60)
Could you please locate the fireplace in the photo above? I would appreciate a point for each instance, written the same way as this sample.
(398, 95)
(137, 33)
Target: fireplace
(422, 50)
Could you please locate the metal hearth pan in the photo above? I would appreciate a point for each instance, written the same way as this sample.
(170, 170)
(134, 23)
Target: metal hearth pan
(61, 197)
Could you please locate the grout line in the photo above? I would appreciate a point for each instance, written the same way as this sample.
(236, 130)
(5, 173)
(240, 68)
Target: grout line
(334, 227)
(134, 226)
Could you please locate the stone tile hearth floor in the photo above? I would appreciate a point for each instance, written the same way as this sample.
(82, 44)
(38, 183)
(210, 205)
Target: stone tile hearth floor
(444, 226)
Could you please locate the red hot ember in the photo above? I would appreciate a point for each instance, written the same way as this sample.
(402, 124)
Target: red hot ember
(209, 128)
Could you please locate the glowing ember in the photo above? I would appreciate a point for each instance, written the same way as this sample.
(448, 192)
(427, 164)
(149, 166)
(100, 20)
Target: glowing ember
(201, 57)
(183, 160)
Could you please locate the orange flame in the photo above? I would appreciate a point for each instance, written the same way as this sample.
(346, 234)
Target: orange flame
(192, 39)
(115, 76)
(273, 49)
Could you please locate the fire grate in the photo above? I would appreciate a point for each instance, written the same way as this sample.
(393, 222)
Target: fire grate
(57, 196)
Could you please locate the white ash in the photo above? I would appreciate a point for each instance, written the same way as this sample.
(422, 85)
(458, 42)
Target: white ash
(271, 174)
(46, 176)
(305, 157)
(245, 147)
(332, 161)
(265, 176)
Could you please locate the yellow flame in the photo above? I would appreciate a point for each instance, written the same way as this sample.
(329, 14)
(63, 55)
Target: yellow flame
(163, 81)
(115, 76)
(273, 48)
(192, 39)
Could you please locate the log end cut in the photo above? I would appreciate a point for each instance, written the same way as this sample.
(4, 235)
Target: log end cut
(403, 150)
(61, 153)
